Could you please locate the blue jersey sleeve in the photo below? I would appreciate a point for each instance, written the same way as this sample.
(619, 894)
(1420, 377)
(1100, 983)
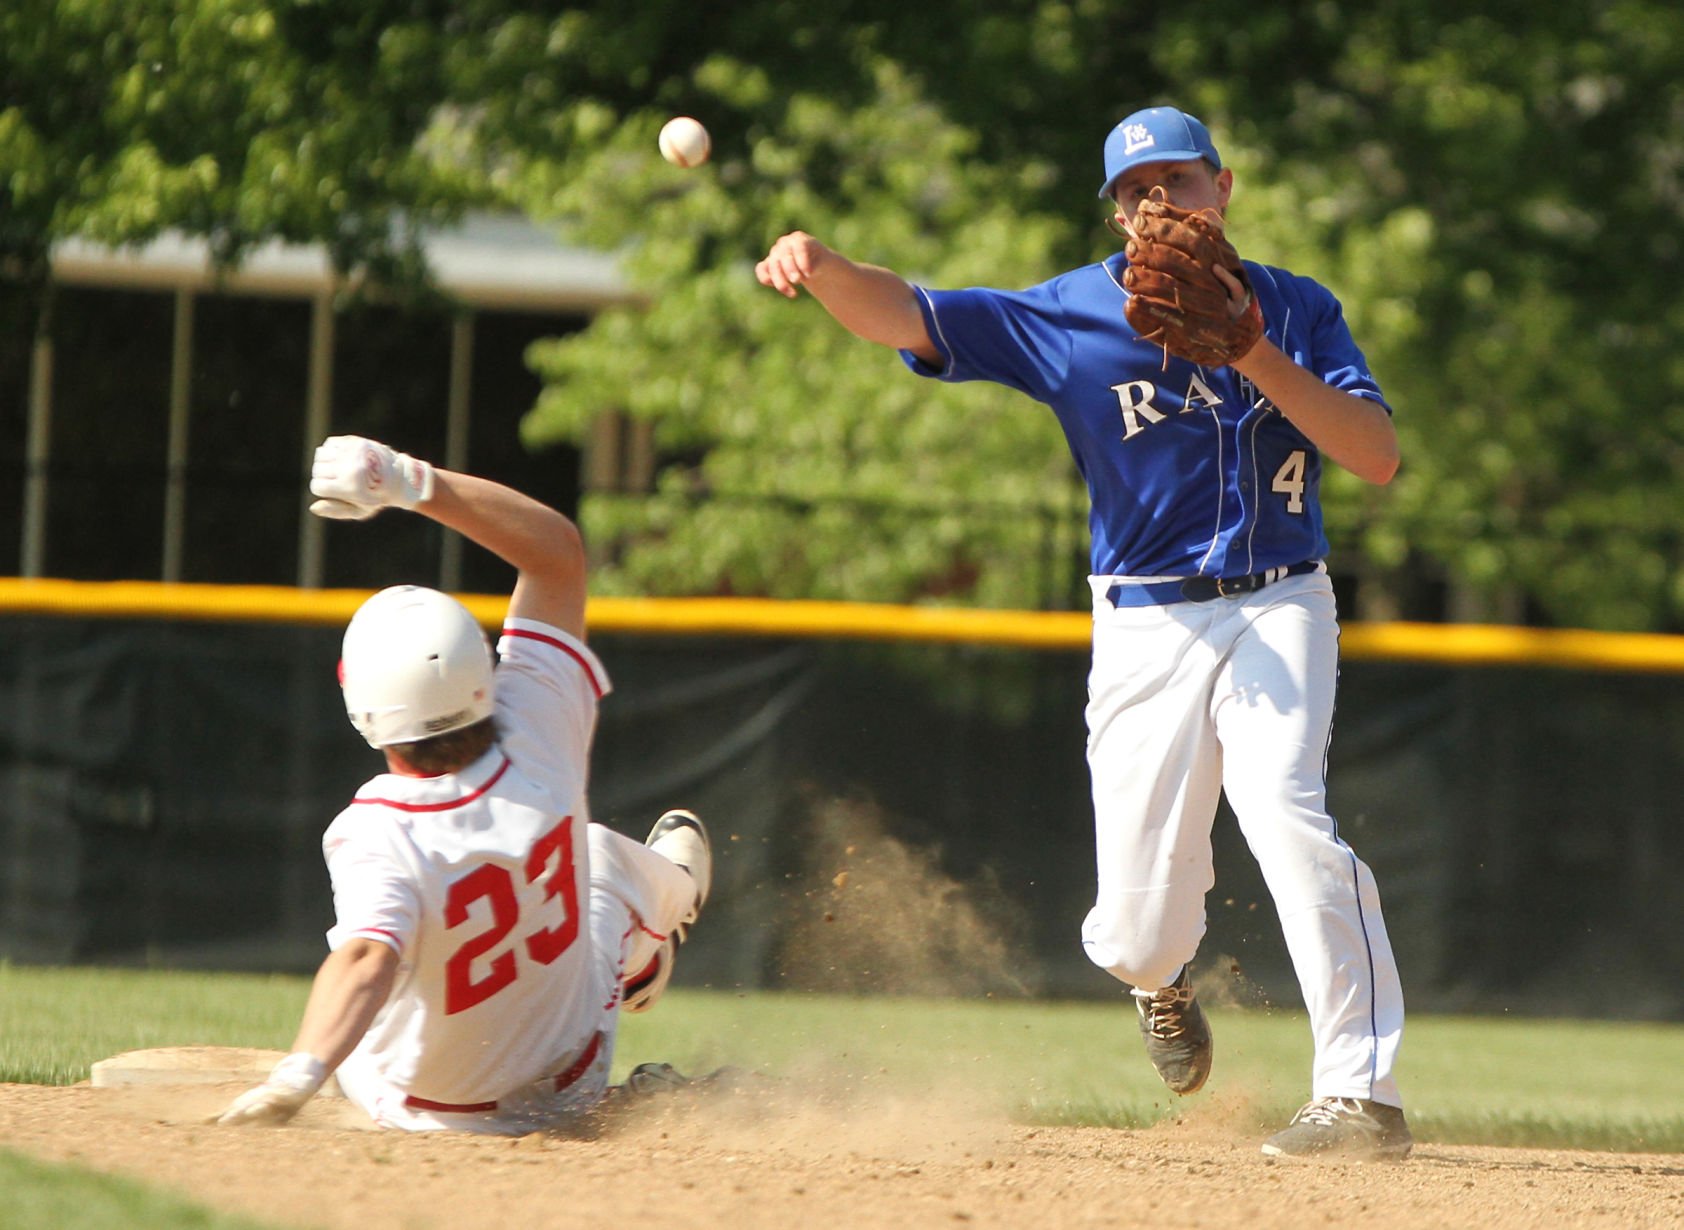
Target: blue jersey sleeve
(1313, 332)
(1015, 338)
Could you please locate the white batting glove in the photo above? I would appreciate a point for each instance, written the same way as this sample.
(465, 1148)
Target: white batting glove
(353, 478)
(293, 1082)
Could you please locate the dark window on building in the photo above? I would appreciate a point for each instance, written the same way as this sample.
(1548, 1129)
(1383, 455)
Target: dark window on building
(247, 458)
(251, 367)
(504, 389)
(391, 381)
(16, 330)
(110, 434)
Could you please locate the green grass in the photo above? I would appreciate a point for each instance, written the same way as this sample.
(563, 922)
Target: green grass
(1467, 1080)
(54, 1023)
(1568, 1084)
(40, 1196)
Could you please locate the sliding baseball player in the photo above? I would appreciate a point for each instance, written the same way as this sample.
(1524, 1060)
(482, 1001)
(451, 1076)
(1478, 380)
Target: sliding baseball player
(487, 935)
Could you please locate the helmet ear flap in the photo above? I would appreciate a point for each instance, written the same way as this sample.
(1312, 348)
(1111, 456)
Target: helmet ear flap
(414, 663)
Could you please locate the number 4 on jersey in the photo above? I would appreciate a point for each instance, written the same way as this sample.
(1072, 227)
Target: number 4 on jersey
(1289, 481)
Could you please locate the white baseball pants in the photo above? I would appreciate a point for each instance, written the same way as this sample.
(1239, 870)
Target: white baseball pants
(1187, 701)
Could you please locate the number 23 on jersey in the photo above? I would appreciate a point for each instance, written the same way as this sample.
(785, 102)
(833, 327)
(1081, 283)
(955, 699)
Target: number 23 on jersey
(549, 929)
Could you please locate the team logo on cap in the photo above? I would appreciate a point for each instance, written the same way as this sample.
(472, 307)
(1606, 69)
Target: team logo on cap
(1137, 137)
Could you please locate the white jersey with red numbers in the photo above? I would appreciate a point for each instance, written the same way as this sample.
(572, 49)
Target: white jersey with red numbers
(480, 881)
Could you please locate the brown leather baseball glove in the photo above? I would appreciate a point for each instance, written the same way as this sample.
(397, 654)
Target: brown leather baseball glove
(1175, 299)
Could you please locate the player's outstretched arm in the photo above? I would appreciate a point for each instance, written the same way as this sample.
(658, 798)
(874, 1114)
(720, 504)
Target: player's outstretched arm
(869, 301)
(1354, 431)
(542, 544)
(353, 478)
(349, 990)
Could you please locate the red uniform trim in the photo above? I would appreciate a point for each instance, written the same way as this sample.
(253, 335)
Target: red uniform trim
(579, 1065)
(562, 1080)
(379, 933)
(447, 805)
(454, 1108)
(596, 684)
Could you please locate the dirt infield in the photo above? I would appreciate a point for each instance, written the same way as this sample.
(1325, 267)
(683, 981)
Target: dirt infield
(744, 1161)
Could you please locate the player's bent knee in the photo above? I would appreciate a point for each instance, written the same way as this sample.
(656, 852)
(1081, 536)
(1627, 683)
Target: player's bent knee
(1138, 964)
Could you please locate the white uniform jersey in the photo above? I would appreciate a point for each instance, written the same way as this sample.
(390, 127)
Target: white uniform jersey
(480, 881)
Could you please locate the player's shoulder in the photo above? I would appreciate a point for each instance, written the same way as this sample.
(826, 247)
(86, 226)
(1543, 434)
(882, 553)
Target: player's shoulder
(1095, 274)
(533, 643)
(1284, 284)
(371, 818)
(1078, 289)
(384, 796)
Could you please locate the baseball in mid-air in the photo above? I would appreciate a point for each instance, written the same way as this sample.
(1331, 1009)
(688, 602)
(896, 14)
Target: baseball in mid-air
(684, 142)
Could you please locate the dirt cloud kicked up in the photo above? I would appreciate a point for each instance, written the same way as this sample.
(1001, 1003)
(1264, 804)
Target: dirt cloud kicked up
(874, 915)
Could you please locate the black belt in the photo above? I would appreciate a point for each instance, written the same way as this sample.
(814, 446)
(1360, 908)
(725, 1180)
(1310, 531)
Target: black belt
(1201, 589)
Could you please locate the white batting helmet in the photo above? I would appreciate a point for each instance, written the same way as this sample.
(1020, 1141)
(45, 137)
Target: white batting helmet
(414, 664)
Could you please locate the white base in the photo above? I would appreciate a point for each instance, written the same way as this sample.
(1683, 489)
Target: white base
(192, 1065)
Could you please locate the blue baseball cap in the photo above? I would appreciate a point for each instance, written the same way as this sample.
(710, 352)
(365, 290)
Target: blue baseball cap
(1157, 134)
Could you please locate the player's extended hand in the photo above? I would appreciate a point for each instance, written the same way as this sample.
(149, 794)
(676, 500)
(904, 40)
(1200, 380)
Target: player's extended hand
(794, 259)
(353, 478)
(293, 1083)
(266, 1105)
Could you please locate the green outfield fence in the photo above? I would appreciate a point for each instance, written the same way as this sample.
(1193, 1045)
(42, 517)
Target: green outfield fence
(170, 753)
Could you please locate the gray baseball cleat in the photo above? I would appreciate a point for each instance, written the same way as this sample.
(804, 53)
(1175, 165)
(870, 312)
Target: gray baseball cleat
(681, 837)
(1345, 1129)
(1177, 1035)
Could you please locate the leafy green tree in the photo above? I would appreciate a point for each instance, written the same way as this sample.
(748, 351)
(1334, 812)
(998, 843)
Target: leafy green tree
(1455, 176)
(236, 120)
(1461, 176)
(807, 463)
(1465, 179)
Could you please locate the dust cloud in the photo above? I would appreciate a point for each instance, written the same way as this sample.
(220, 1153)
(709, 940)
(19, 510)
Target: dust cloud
(873, 915)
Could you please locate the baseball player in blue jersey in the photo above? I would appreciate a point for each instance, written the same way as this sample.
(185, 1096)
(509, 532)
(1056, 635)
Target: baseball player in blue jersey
(1215, 636)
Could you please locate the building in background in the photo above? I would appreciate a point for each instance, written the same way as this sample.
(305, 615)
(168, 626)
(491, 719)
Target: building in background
(165, 431)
